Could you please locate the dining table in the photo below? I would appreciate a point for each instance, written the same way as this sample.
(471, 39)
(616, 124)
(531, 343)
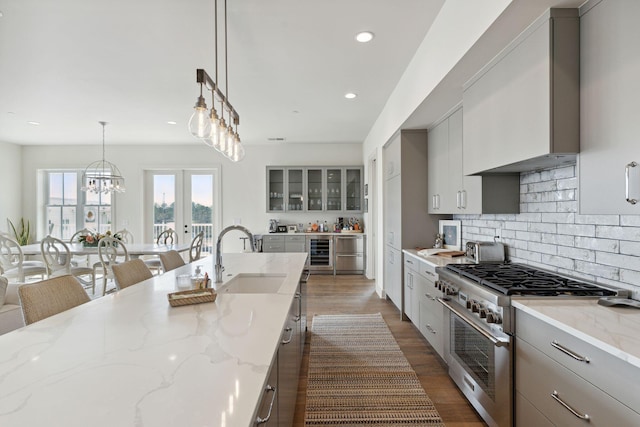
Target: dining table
(135, 250)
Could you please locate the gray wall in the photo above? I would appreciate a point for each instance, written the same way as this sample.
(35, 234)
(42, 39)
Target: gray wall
(11, 193)
(550, 233)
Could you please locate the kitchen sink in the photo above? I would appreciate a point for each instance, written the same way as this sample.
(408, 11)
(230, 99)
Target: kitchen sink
(254, 283)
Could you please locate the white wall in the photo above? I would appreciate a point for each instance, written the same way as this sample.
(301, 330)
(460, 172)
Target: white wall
(550, 233)
(11, 193)
(243, 183)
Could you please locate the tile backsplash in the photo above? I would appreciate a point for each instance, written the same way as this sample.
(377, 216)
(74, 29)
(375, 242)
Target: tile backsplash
(549, 233)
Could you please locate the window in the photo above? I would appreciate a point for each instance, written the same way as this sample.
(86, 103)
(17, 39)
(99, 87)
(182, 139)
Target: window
(69, 209)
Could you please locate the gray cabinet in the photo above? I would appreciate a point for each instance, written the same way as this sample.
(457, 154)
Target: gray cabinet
(521, 111)
(421, 304)
(412, 288)
(283, 243)
(289, 360)
(349, 253)
(407, 223)
(315, 189)
(450, 191)
(560, 378)
(609, 93)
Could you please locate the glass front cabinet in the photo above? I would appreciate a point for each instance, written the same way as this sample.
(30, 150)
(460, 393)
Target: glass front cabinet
(315, 189)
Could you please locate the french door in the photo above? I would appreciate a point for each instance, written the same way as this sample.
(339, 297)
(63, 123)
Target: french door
(185, 200)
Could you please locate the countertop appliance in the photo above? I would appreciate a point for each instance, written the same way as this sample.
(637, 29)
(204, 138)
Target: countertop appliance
(483, 252)
(273, 226)
(479, 331)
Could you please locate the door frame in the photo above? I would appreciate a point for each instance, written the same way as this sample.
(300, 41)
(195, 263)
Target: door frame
(182, 186)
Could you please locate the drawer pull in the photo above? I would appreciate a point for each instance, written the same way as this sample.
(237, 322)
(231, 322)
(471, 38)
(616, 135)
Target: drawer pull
(555, 344)
(430, 329)
(557, 398)
(267, 389)
(288, 340)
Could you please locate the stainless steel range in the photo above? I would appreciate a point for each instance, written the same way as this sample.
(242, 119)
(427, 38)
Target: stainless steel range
(480, 328)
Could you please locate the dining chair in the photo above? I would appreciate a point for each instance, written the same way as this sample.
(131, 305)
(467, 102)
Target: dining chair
(196, 247)
(125, 235)
(167, 237)
(57, 258)
(131, 272)
(111, 251)
(13, 264)
(77, 260)
(43, 299)
(171, 260)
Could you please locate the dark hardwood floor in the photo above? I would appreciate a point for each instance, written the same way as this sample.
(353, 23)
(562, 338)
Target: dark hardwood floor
(354, 295)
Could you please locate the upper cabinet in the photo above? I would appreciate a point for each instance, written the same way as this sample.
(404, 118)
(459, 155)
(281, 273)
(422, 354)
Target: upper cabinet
(314, 189)
(521, 111)
(450, 191)
(275, 190)
(609, 178)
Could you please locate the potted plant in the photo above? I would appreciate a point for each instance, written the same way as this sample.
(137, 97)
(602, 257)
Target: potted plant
(23, 234)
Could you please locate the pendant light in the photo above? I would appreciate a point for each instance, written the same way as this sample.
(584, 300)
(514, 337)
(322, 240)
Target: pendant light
(209, 126)
(102, 176)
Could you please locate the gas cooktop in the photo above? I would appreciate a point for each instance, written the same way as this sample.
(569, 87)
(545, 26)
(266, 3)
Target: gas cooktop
(521, 279)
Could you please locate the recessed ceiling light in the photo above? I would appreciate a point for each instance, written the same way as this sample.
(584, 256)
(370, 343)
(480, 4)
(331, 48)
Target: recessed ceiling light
(364, 36)
(171, 122)
(350, 95)
(34, 123)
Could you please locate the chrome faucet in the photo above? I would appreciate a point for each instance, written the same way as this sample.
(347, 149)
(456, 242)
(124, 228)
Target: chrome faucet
(219, 267)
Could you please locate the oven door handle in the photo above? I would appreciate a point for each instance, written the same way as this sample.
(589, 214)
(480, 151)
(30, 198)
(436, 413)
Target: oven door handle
(496, 341)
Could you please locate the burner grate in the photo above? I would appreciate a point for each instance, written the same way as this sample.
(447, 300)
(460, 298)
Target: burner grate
(520, 279)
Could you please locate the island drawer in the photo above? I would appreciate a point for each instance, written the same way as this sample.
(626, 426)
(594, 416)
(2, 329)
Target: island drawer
(607, 372)
(539, 378)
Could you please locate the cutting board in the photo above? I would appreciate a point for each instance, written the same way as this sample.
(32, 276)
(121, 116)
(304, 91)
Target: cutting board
(451, 254)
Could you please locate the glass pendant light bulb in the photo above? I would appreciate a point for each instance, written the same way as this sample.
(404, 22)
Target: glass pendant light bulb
(222, 136)
(230, 142)
(199, 123)
(238, 150)
(212, 139)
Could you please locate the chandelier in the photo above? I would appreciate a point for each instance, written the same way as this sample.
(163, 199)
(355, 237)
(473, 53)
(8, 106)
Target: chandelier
(206, 124)
(102, 176)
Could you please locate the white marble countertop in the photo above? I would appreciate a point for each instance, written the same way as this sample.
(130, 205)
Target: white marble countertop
(612, 329)
(436, 260)
(130, 359)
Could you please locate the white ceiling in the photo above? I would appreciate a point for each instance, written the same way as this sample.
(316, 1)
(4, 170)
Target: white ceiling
(68, 64)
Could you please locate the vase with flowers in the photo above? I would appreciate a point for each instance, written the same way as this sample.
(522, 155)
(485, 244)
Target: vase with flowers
(92, 239)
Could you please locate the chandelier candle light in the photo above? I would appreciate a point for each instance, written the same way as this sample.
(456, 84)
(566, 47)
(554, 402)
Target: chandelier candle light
(102, 176)
(207, 125)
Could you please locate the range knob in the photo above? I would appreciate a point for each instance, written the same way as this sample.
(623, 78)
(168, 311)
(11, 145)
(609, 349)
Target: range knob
(483, 312)
(475, 307)
(469, 304)
(493, 318)
(450, 290)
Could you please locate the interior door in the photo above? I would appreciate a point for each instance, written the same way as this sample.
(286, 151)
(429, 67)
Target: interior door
(184, 200)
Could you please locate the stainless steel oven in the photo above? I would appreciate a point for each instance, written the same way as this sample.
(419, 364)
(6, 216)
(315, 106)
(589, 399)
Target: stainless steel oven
(480, 363)
(320, 253)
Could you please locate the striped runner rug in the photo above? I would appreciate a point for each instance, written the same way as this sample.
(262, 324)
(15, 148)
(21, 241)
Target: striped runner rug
(359, 376)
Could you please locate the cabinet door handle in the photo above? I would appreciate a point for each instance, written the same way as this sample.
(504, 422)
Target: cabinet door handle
(459, 200)
(287, 341)
(557, 398)
(430, 297)
(409, 262)
(267, 389)
(427, 272)
(555, 344)
(627, 170)
(438, 201)
(463, 199)
(433, 331)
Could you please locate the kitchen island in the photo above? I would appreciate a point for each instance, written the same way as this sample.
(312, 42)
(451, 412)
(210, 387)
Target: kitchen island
(130, 359)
